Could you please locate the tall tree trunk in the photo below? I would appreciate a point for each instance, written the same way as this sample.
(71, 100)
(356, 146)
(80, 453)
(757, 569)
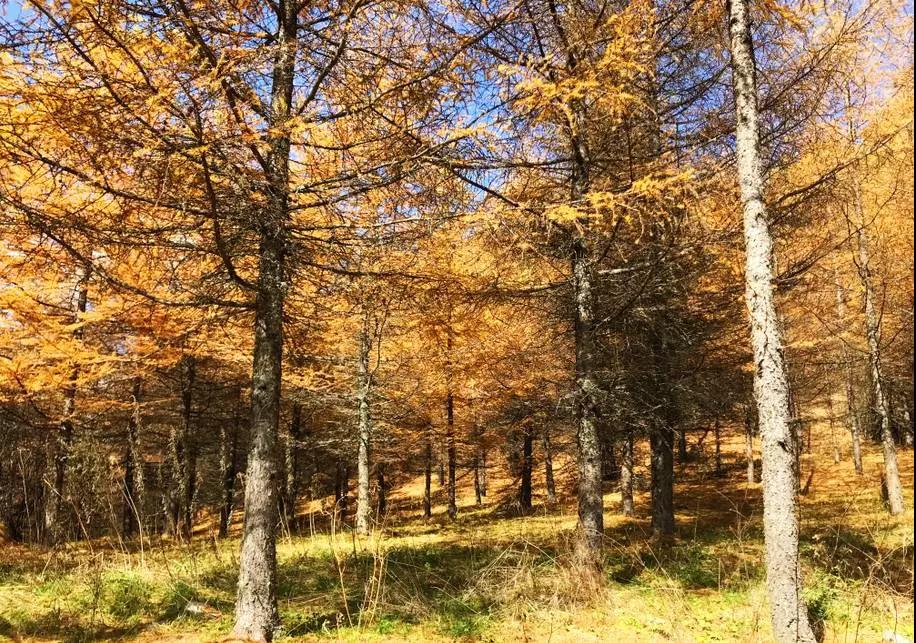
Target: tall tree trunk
(591, 503)
(293, 449)
(428, 475)
(133, 469)
(661, 437)
(451, 453)
(54, 526)
(771, 389)
(256, 615)
(229, 444)
(187, 481)
(549, 481)
(718, 434)
(478, 489)
(626, 475)
(873, 334)
(364, 432)
(682, 445)
(852, 414)
(524, 494)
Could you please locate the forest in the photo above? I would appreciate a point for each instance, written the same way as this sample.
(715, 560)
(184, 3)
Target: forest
(466, 320)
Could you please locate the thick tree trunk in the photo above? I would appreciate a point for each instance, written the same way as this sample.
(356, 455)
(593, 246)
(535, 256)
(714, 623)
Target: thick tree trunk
(626, 475)
(661, 445)
(852, 415)
(256, 615)
(133, 470)
(771, 390)
(54, 527)
(524, 492)
(229, 444)
(549, 481)
(873, 334)
(364, 432)
(591, 503)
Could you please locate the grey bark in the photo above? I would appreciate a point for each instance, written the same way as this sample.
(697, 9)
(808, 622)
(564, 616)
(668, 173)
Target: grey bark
(292, 463)
(873, 335)
(364, 432)
(256, 615)
(788, 612)
(626, 475)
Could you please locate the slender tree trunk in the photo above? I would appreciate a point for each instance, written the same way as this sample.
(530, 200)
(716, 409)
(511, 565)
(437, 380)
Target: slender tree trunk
(749, 446)
(549, 481)
(364, 432)
(63, 440)
(451, 453)
(187, 481)
(229, 441)
(626, 475)
(682, 445)
(256, 615)
(661, 438)
(717, 428)
(524, 495)
(293, 449)
(381, 491)
(133, 469)
(873, 334)
(771, 389)
(852, 415)
(428, 475)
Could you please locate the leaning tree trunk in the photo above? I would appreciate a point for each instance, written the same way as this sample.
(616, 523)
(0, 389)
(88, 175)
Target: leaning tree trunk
(132, 489)
(873, 334)
(771, 390)
(852, 415)
(63, 439)
(256, 615)
(364, 432)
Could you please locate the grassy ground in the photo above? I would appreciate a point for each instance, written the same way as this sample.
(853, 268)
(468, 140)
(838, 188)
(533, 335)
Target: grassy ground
(493, 577)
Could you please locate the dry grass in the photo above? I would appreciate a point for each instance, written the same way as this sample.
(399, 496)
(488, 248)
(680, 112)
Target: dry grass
(500, 578)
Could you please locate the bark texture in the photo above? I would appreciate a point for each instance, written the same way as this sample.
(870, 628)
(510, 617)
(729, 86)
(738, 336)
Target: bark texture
(363, 433)
(256, 615)
(788, 612)
(626, 475)
(852, 415)
(229, 444)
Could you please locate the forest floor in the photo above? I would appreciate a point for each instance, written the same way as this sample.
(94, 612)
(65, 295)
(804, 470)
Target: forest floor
(494, 577)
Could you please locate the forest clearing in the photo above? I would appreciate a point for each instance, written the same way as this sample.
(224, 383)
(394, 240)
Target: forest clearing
(456, 320)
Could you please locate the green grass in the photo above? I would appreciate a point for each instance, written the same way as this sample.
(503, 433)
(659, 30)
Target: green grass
(490, 577)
